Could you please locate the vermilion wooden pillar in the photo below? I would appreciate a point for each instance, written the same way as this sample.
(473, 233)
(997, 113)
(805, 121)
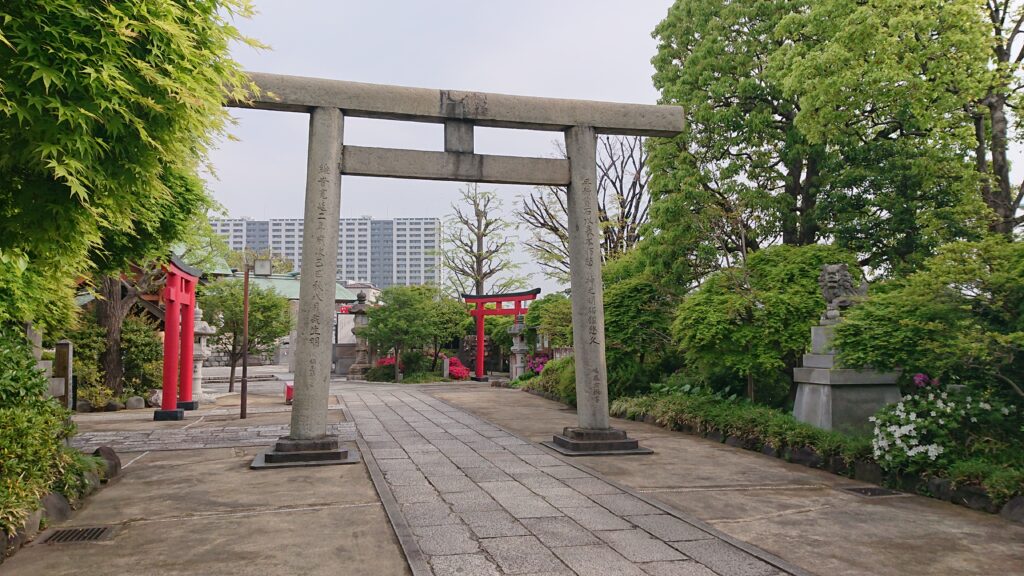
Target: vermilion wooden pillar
(479, 313)
(188, 308)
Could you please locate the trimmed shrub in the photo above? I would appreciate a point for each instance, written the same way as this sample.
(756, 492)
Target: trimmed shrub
(31, 437)
(143, 354)
(979, 439)
(953, 434)
(456, 369)
(414, 362)
(705, 412)
(557, 380)
(959, 319)
(754, 322)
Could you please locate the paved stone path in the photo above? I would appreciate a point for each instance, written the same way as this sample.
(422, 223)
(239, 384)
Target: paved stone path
(481, 501)
(194, 437)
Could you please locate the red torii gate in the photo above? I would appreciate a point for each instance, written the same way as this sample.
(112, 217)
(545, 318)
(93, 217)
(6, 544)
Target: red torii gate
(179, 332)
(517, 299)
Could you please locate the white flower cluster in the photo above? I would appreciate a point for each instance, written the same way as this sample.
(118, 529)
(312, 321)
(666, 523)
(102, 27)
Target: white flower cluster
(904, 436)
(914, 429)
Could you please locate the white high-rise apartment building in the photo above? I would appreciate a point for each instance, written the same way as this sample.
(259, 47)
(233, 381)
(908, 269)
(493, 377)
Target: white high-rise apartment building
(403, 251)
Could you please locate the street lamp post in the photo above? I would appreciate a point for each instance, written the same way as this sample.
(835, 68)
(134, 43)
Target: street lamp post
(245, 340)
(260, 265)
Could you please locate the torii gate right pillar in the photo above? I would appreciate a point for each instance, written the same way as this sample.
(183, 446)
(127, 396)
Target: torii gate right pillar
(593, 436)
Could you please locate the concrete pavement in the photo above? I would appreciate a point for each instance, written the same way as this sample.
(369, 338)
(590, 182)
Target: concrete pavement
(797, 513)
(468, 491)
(182, 507)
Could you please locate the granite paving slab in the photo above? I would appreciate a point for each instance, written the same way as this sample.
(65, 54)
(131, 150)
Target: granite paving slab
(522, 555)
(479, 500)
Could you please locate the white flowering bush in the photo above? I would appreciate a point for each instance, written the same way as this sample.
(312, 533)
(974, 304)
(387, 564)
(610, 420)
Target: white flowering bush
(932, 429)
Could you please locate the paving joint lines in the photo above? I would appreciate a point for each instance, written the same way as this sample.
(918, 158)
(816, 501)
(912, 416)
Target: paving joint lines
(467, 497)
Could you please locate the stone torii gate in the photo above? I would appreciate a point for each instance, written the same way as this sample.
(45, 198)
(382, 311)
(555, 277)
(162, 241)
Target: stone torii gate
(328, 102)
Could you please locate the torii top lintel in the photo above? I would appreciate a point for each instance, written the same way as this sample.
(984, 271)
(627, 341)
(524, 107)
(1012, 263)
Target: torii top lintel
(301, 94)
(517, 299)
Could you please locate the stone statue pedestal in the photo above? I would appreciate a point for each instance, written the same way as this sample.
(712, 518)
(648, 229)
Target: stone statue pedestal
(835, 398)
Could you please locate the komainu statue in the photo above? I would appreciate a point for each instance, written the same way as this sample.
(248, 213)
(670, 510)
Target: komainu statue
(838, 289)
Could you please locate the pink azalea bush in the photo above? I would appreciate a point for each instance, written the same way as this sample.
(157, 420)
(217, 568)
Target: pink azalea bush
(457, 370)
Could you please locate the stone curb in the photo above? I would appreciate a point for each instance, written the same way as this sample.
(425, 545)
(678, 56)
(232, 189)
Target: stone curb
(413, 555)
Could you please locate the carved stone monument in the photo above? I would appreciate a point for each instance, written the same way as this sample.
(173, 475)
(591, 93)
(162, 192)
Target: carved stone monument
(829, 396)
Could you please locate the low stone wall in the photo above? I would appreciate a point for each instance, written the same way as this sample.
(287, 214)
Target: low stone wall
(221, 359)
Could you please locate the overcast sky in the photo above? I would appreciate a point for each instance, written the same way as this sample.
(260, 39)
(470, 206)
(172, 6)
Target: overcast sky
(589, 49)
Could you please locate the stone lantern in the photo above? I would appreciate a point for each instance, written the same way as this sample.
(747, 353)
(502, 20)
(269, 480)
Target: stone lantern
(517, 365)
(201, 352)
(362, 361)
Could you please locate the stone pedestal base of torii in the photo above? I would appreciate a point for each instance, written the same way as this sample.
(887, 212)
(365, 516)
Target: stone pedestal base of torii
(328, 102)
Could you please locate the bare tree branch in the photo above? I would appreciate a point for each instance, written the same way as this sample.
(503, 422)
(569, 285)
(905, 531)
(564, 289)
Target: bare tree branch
(623, 206)
(478, 249)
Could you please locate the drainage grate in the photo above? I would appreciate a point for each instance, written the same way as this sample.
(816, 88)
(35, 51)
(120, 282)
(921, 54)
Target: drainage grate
(93, 534)
(871, 491)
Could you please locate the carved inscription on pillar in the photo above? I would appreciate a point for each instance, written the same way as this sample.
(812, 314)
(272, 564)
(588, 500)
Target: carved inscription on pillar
(318, 291)
(592, 244)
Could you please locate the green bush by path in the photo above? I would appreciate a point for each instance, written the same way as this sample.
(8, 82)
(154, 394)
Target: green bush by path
(706, 412)
(557, 380)
(754, 322)
(954, 434)
(959, 319)
(979, 438)
(33, 458)
(143, 353)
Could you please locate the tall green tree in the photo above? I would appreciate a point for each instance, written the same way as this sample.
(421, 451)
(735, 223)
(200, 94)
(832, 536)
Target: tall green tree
(993, 114)
(741, 151)
(402, 320)
(129, 264)
(888, 86)
(551, 316)
(102, 107)
(270, 319)
(811, 121)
